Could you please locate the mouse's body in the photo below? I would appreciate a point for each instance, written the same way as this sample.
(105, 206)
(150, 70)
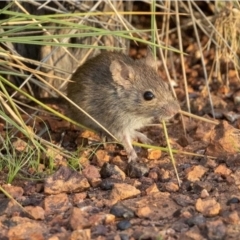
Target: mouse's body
(122, 94)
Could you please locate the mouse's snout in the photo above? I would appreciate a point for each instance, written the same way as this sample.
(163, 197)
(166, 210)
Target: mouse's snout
(174, 107)
(170, 109)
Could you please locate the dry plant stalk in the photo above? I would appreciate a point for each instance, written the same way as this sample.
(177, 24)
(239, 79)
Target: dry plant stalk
(227, 34)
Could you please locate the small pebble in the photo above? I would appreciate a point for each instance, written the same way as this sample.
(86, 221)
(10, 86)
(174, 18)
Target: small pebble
(180, 226)
(108, 183)
(215, 230)
(208, 207)
(123, 225)
(123, 191)
(196, 173)
(233, 217)
(143, 212)
(222, 170)
(153, 175)
(136, 169)
(121, 211)
(236, 97)
(204, 193)
(196, 220)
(182, 200)
(154, 154)
(233, 200)
(231, 116)
(124, 236)
(171, 187)
(164, 175)
(109, 170)
(152, 189)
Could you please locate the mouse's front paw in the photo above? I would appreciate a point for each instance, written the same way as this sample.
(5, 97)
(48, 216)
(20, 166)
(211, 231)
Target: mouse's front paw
(132, 156)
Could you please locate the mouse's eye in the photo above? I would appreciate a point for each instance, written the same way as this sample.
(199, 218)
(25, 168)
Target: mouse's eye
(148, 96)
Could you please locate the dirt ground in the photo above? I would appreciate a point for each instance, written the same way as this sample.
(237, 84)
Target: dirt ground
(110, 198)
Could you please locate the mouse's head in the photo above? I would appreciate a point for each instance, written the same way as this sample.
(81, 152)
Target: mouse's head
(141, 90)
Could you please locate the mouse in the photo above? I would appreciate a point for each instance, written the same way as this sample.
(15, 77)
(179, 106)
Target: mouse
(122, 94)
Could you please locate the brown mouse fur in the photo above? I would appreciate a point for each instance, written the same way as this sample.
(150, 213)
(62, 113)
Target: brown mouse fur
(112, 87)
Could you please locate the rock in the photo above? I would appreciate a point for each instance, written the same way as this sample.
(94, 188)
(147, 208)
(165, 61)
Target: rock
(211, 163)
(171, 187)
(123, 236)
(123, 225)
(118, 161)
(108, 183)
(196, 220)
(123, 191)
(208, 207)
(192, 234)
(136, 169)
(200, 185)
(161, 205)
(12, 208)
(65, 180)
(82, 234)
(180, 226)
(204, 193)
(60, 234)
(92, 174)
(56, 204)
(96, 219)
(4, 205)
(152, 189)
(121, 211)
(109, 219)
(196, 173)
(36, 212)
(15, 191)
(153, 175)
(79, 219)
(215, 230)
(110, 170)
(5, 225)
(99, 230)
(154, 154)
(233, 200)
(224, 140)
(164, 175)
(28, 230)
(236, 97)
(101, 157)
(182, 200)
(143, 212)
(53, 238)
(233, 217)
(186, 214)
(236, 177)
(183, 141)
(231, 116)
(79, 197)
(223, 170)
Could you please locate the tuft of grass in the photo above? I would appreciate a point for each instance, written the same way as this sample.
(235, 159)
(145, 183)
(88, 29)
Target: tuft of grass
(15, 161)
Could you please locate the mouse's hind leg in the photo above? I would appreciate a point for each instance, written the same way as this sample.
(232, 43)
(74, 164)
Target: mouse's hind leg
(143, 138)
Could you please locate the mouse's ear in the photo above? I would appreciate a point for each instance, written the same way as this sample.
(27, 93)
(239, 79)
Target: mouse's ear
(149, 59)
(122, 73)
